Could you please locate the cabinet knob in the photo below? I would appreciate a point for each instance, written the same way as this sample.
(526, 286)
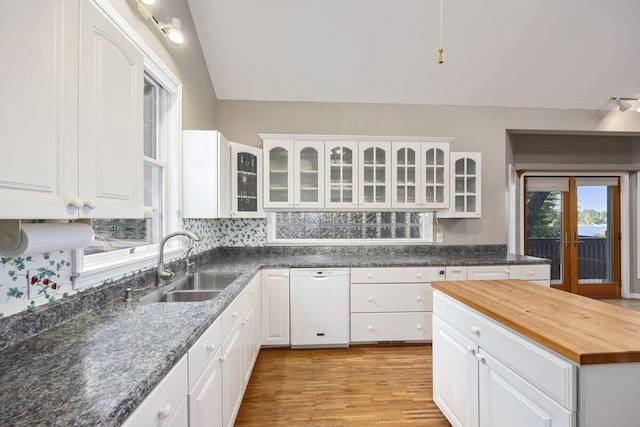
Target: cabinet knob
(418, 326)
(480, 358)
(419, 275)
(370, 276)
(234, 315)
(475, 331)
(370, 299)
(76, 203)
(418, 298)
(286, 275)
(471, 349)
(244, 321)
(442, 272)
(211, 347)
(223, 358)
(370, 328)
(164, 412)
(90, 204)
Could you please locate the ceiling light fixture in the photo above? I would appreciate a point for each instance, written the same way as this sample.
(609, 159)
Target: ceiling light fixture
(623, 103)
(172, 31)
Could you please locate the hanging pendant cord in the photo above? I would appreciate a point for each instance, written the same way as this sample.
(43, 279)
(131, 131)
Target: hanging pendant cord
(441, 50)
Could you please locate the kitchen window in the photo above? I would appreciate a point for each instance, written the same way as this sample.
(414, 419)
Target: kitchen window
(349, 228)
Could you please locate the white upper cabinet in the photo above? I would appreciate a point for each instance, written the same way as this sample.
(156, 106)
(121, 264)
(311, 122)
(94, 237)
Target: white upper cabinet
(466, 183)
(309, 174)
(246, 175)
(75, 137)
(206, 173)
(374, 174)
(279, 173)
(435, 175)
(341, 175)
(406, 174)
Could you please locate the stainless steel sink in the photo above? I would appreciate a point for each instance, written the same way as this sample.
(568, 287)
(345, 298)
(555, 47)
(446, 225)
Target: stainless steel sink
(204, 280)
(201, 286)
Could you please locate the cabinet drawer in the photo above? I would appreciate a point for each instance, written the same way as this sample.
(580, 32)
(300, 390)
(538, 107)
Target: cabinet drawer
(530, 272)
(390, 297)
(554, 375)
(167, 396)
(232, 313)
(397, 275)
(203, 351)
(372, 327)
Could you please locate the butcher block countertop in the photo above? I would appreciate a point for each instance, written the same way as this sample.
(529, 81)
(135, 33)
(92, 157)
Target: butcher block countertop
(584, 330)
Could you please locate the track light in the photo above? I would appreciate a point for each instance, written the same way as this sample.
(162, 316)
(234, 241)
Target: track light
(623, 103)
(172, 31)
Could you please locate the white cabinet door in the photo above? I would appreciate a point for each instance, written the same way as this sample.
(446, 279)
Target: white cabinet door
(405, 175)
(110, 183)
(341, 176)
(488, 272)
(309, 174)
(374, 174)
(166, 404)
(232, 375)
(455, 375)
(275, 308)
(206, 173)
(249, 334)
(279, 175)
(205, 399)
(38, 110)
(246, 186)
(466, 186)
(434, 192)
(507, 400)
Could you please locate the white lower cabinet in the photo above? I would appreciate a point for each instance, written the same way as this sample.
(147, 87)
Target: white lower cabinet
(485, 375)
(232, 375)
(536, 273)
(488, 272)
(392, 304)
(275, 308)
(166, 405)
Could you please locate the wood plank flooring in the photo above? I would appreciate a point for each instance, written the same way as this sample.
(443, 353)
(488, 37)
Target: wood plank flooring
(357, 386)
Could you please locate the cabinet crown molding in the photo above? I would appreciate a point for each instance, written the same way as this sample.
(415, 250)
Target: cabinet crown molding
(315, 137)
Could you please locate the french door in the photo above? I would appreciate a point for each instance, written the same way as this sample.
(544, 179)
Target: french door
(575, 222)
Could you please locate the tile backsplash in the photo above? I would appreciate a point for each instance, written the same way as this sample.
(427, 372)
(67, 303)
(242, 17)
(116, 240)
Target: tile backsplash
(30, 281)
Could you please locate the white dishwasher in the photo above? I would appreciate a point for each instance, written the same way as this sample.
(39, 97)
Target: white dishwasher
(319, 307)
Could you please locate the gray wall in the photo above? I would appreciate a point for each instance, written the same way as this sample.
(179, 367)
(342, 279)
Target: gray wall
(481, 129)
(186, 61)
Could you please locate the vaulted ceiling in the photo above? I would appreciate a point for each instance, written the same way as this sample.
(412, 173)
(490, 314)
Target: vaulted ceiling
(517, 53)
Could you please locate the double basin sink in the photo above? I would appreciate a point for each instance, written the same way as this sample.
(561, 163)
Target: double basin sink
(200, 286)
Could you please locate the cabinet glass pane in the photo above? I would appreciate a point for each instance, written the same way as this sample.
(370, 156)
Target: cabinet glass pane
(440, 194)
(439, 157)
(278, 175)
(368, 174)
(459, 185)
(471, 203)
(440, 175)
(471, 185)
(341, 179)
(368, 193)
(247, 182)
(429, 196)
(471, 167)
(347, 175)
(380, 175)
(460, 204)
(308, 175)
(380, 194)
(459, 167)
(368, 156)
(429, 176)
(401, 156)
(380, 156)
(430, 157)
(411, 175)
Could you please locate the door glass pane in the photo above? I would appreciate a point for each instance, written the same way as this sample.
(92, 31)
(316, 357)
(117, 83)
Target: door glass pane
(247, 182)
(309, 175)
(544, 229)
(595, 243)
(278, 175)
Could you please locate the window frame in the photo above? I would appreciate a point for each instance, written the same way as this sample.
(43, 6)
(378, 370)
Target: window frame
(427, 239)
(91, 270)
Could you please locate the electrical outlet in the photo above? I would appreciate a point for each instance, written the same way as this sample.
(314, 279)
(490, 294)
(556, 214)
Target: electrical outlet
(439, 237)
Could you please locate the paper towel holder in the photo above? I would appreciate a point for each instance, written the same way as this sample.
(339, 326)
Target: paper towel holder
(10, 234)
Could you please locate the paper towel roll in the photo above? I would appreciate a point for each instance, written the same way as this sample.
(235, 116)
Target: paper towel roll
(47, 237)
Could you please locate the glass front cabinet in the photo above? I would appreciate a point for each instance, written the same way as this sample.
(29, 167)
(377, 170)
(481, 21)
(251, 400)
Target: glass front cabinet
(341, 172)
(374, 174)
(278, 177)
(246, 176)
(466, 186)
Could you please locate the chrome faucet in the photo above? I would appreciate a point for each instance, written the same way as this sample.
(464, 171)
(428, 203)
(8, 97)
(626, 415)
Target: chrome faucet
(187, 263)
(161, 272)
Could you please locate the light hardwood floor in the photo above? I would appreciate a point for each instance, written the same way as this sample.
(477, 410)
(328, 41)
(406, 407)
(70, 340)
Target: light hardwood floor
(356, 386)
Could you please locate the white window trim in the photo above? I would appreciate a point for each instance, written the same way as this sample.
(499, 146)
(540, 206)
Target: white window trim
(427, 232)
(116, 264)
(625, 242)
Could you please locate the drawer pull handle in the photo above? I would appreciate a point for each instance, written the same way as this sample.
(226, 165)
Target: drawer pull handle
(475, 331)
(370, 299)
(211, 346)
(163, 413)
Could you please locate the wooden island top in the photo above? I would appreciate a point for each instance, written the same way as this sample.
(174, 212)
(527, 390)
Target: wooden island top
(584, 330)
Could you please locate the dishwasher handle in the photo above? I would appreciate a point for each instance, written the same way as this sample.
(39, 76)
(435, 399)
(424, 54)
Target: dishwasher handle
(319, 274)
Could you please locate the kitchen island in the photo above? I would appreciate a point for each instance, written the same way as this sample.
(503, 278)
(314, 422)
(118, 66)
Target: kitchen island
(509, 352)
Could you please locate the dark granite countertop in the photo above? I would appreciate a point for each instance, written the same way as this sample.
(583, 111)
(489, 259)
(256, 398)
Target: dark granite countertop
(96, 368)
